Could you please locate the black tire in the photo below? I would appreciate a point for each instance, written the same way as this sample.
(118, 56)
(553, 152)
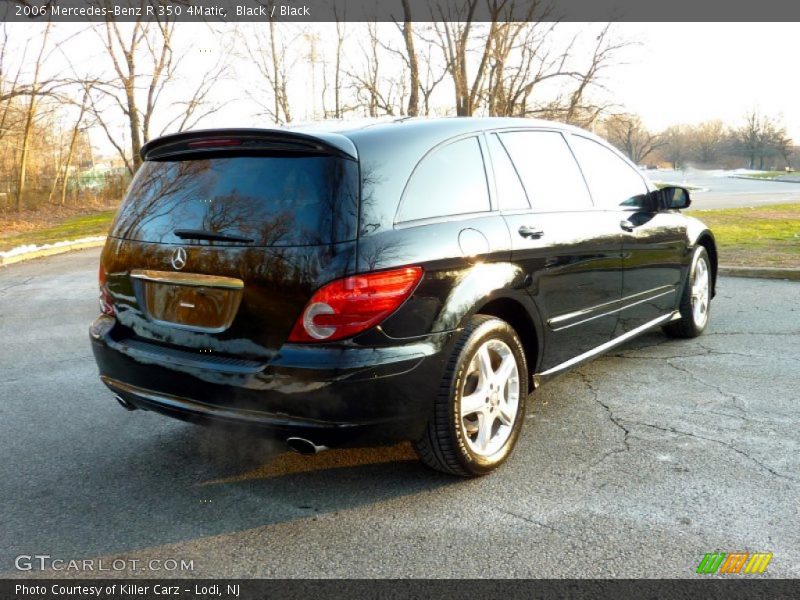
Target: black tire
(688, 326)
(446, 445)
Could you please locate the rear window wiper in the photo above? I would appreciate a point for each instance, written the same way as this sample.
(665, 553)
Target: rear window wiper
(213, 236)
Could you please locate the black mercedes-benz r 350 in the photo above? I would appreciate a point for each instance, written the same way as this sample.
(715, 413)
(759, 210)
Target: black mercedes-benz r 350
(366, 283)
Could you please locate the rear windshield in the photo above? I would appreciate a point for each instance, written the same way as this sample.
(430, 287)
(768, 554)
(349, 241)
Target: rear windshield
(274, 201)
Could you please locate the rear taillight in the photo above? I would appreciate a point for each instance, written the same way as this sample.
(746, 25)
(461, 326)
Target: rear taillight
(351, 305)
(106, 306)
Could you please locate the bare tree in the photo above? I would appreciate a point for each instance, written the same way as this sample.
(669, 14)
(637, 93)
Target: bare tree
(748, 137)
(676, 145)
(8, 89)
(576, 106)
(454, 25)
(503, 93)
(784, 146)
(193, 109)
(433, 77)
(707, 141)
(73, 141)
(30, 115)
(271, 54)
(627, 133)
(604, 55)
(144, 66)
(761, 138)
(127, 51)
(774, 143)
(378, 95)
(499, 64)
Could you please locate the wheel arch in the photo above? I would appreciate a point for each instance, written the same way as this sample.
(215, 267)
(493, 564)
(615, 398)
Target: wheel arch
(707, 241)
(516, 314)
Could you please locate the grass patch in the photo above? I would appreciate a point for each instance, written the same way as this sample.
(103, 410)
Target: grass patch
(771, 174)
(765, 236)
(70, 229)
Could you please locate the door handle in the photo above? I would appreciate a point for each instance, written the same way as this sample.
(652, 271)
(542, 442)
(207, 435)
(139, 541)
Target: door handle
(626, 225)
(529, 231)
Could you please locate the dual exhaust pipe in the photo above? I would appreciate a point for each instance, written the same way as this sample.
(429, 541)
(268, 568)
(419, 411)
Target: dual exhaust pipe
(298, 444)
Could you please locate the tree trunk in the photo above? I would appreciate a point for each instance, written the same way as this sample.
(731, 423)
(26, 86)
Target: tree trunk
(23, 161)
(337, 74)
(413, 63)
(72, 142)
(133, 112)
(463, 108)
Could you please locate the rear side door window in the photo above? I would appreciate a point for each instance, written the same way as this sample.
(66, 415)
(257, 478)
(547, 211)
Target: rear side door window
(551, 176)
(613, 182)
(510, 193)
(451, 180)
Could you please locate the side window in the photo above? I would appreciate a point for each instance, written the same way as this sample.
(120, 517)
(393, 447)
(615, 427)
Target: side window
(613, 182)
(548, 170)
(449, 181)
(510, 192)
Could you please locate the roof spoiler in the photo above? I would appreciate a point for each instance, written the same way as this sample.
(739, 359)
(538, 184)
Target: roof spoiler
(216, 140)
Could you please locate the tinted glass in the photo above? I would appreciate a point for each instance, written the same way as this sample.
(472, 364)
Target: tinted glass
(548, 170)
(278, 201)
(510, 192)
(450, 181)
(613, 181)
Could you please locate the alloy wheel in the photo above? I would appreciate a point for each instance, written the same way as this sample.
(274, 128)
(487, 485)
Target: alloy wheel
(700, 293)
(490, 398)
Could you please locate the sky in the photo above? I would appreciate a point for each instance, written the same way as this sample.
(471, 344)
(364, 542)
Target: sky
(691, 72)
(672, 73)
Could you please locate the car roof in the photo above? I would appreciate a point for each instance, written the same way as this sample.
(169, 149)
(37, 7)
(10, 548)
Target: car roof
(441, 128)
(344, 135)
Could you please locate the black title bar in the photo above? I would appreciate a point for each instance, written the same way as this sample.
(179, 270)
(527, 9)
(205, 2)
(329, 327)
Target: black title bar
(221, 11)
(735, 588)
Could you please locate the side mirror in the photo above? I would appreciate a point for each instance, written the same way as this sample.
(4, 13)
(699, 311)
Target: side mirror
(674, 197)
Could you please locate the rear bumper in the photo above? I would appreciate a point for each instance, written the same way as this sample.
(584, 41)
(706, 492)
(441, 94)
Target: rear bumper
(333, 396)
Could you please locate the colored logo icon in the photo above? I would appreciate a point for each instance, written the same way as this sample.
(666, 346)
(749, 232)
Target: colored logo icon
(743, 563)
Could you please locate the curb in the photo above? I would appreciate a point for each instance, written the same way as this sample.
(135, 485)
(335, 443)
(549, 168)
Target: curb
(779, 179)
(51, 249)
(761, 272)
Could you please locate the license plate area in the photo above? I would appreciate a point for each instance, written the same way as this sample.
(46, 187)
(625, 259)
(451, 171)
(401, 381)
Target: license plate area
(192, 301)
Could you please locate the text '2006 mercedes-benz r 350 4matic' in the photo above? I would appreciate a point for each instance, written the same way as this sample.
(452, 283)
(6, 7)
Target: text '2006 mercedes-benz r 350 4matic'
(358, 284)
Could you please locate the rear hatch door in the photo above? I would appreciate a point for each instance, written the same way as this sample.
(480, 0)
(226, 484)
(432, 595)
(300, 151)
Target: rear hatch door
(224, 235)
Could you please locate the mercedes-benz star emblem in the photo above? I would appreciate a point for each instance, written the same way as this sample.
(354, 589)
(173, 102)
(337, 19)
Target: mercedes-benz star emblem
(178, 259)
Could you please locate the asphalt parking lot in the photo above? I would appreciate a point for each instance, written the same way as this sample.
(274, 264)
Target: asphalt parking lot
(635, 465)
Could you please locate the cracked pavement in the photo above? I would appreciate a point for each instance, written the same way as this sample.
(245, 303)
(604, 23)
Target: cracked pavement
(633, 465)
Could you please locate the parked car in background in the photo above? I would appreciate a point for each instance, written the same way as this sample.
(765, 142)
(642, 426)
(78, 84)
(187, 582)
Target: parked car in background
(415, 280)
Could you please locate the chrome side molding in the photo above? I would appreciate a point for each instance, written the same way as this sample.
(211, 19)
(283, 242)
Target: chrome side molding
(540, 378)
(609, 308)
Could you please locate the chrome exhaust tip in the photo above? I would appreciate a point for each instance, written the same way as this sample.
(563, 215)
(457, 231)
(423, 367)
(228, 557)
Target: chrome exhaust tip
(304, 446)
(124, 403)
